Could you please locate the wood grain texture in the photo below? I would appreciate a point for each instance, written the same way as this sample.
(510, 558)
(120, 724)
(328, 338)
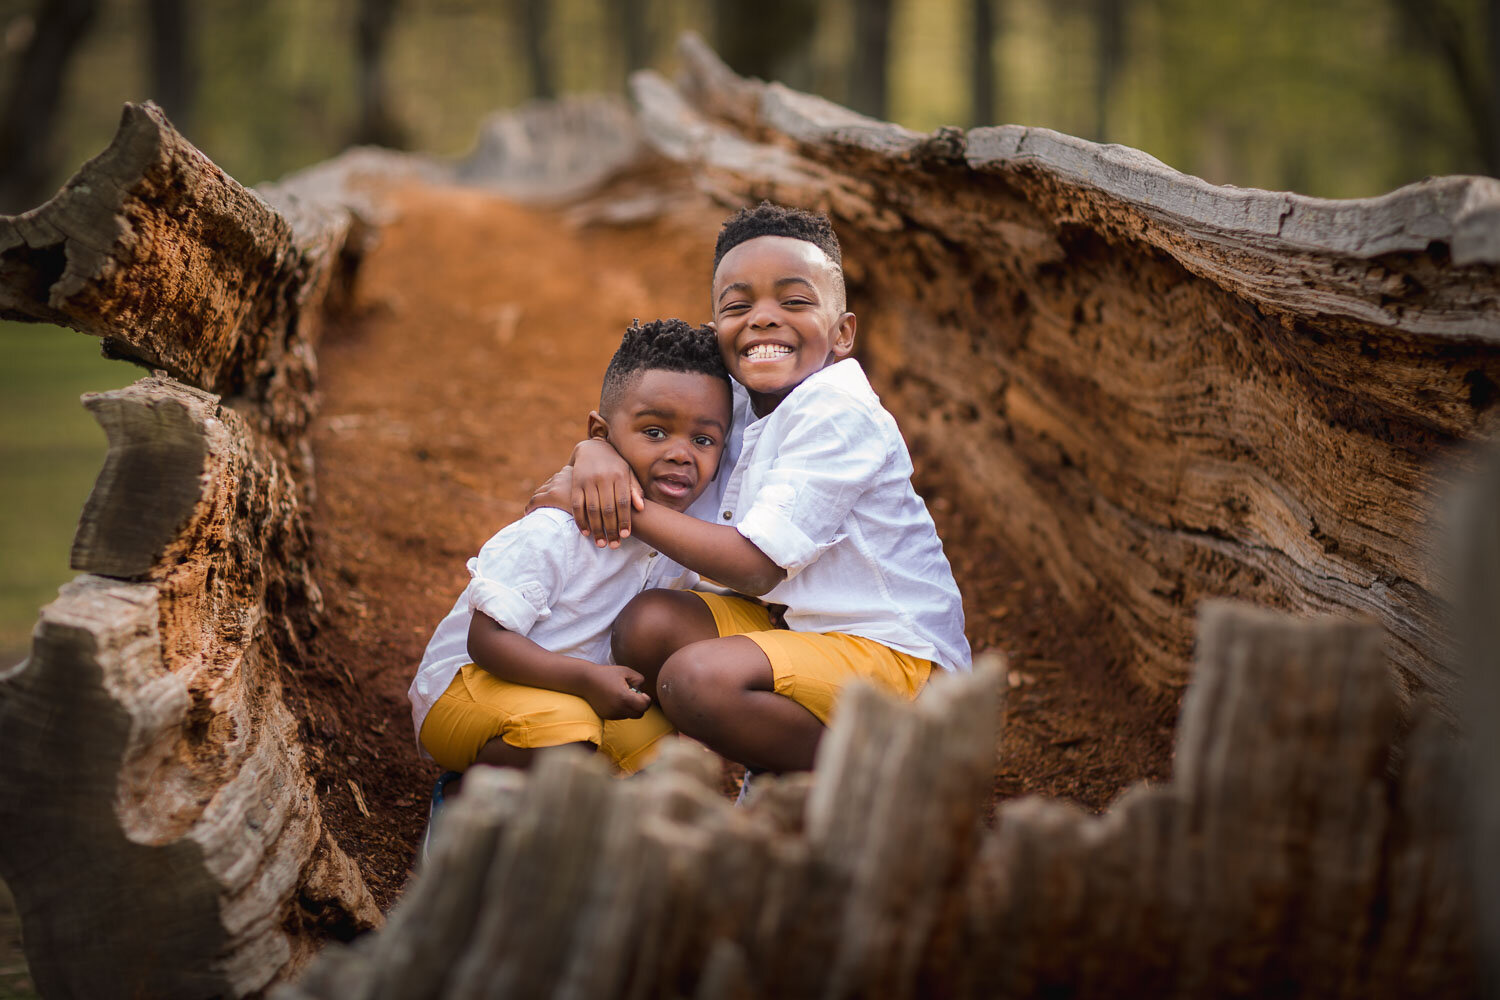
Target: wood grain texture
(1150, 390)
(1305, 846)
(170, 836)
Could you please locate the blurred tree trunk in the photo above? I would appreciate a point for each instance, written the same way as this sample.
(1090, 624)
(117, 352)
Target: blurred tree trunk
(982, 62)
(173, 70)
(635, 30)
(377, 124)
(28, 154)
(1109, 54)
(534, 23)
(772, 40)
(867, 70)
(1475, 77)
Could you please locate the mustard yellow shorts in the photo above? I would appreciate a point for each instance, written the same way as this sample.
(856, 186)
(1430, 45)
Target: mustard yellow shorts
(478, 706)
(812, 667)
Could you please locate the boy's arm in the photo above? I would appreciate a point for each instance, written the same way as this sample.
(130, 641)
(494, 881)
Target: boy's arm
(609, 689)
(598, 488)
(716, 551)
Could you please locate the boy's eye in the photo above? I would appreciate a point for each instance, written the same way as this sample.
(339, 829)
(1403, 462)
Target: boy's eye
(654, 433)
(704, 441)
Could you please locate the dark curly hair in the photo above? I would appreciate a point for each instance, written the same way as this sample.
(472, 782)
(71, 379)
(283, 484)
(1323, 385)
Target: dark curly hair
(767, 219)
(663, 345)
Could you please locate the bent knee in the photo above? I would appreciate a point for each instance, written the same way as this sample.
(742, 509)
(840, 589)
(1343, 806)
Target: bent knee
(652, 627)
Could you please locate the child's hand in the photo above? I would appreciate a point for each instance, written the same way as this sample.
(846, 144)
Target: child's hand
(604, 491)
(556, 492)
(614, 692)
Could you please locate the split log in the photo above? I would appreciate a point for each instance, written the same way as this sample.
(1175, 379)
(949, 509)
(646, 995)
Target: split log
(1151, 389)
(1302, 848)
(163, 834)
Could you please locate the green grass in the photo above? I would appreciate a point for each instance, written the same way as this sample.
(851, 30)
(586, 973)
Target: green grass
(50, 452)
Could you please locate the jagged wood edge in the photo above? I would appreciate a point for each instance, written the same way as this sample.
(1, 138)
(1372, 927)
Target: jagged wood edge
(1223, 233)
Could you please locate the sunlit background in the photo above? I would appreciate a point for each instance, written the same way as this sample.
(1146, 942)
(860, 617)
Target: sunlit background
(1338, 98)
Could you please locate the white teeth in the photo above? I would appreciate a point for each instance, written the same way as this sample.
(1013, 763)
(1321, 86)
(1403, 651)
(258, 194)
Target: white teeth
(765, 352)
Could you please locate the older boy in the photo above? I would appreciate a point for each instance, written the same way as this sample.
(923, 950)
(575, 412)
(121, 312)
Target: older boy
(818, 515)
(532, 669)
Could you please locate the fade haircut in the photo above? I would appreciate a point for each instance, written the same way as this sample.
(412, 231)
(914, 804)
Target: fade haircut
(767, 219)
(670, 345)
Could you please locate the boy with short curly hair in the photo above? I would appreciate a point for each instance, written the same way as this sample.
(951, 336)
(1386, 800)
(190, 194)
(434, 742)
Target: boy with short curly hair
(522, 661)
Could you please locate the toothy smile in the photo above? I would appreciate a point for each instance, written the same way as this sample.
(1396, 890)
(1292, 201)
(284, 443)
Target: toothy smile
(767, 352)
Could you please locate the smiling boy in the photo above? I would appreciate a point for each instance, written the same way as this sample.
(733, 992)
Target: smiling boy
(522, 662)
(818, 515)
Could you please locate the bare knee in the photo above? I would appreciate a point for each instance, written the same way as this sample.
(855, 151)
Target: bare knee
(689, 688)
(653, 626)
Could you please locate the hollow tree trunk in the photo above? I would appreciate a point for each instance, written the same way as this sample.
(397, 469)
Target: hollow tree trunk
(1157, 389)
(1154, 390)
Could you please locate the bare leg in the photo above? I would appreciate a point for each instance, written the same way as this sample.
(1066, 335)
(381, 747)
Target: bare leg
(721, 693)
(656, 624)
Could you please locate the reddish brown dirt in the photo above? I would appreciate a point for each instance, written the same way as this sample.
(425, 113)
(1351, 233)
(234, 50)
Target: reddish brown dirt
(478, 334)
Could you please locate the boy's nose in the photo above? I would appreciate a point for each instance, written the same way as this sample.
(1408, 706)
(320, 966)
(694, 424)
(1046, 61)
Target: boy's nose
(764, 316)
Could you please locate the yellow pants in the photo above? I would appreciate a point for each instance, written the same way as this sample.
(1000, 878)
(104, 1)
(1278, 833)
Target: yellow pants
(811, 668)
(478, 706)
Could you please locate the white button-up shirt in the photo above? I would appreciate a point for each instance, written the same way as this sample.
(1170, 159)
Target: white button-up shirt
(540, 578)
(823, 487)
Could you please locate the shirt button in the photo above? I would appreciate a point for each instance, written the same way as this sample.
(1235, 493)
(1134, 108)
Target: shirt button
(651, 556)
(728, 514)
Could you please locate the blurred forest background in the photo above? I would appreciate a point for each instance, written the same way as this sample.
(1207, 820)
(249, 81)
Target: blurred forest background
(1339, 98)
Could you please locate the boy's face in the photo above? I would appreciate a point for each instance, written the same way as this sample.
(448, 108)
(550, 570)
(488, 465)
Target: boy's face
(670, 428)
(779, 316)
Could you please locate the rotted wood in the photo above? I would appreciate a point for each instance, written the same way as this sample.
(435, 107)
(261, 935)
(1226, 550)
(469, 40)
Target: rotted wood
(1304, 847)
(1153, 389)
(163, 835)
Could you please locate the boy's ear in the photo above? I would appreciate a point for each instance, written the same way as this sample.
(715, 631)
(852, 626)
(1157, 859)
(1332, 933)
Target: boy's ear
(598, 427)
(843, 335)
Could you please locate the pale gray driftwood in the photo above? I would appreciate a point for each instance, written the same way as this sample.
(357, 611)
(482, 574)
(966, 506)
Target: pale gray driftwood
(1153, 389)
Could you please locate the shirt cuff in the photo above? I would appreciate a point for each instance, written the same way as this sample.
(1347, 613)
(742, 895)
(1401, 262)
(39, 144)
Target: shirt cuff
(783, 542)
(505, 605)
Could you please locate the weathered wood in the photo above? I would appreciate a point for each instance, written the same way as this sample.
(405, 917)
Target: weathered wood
(164, 837)
(1304, 847)
(594, 887)
(1153, 389)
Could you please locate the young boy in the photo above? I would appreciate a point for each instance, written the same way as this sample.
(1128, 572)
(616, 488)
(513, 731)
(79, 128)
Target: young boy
(818, 515)
(532, 668)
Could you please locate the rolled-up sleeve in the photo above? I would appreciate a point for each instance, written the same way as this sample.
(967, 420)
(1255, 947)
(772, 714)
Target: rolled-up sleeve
(517, 574)
(828, 456)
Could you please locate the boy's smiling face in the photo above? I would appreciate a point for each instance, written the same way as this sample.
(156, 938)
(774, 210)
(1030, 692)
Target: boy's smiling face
(779, 316)
(670, 427)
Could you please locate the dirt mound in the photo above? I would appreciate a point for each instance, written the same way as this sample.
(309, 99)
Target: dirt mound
(477, 337)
